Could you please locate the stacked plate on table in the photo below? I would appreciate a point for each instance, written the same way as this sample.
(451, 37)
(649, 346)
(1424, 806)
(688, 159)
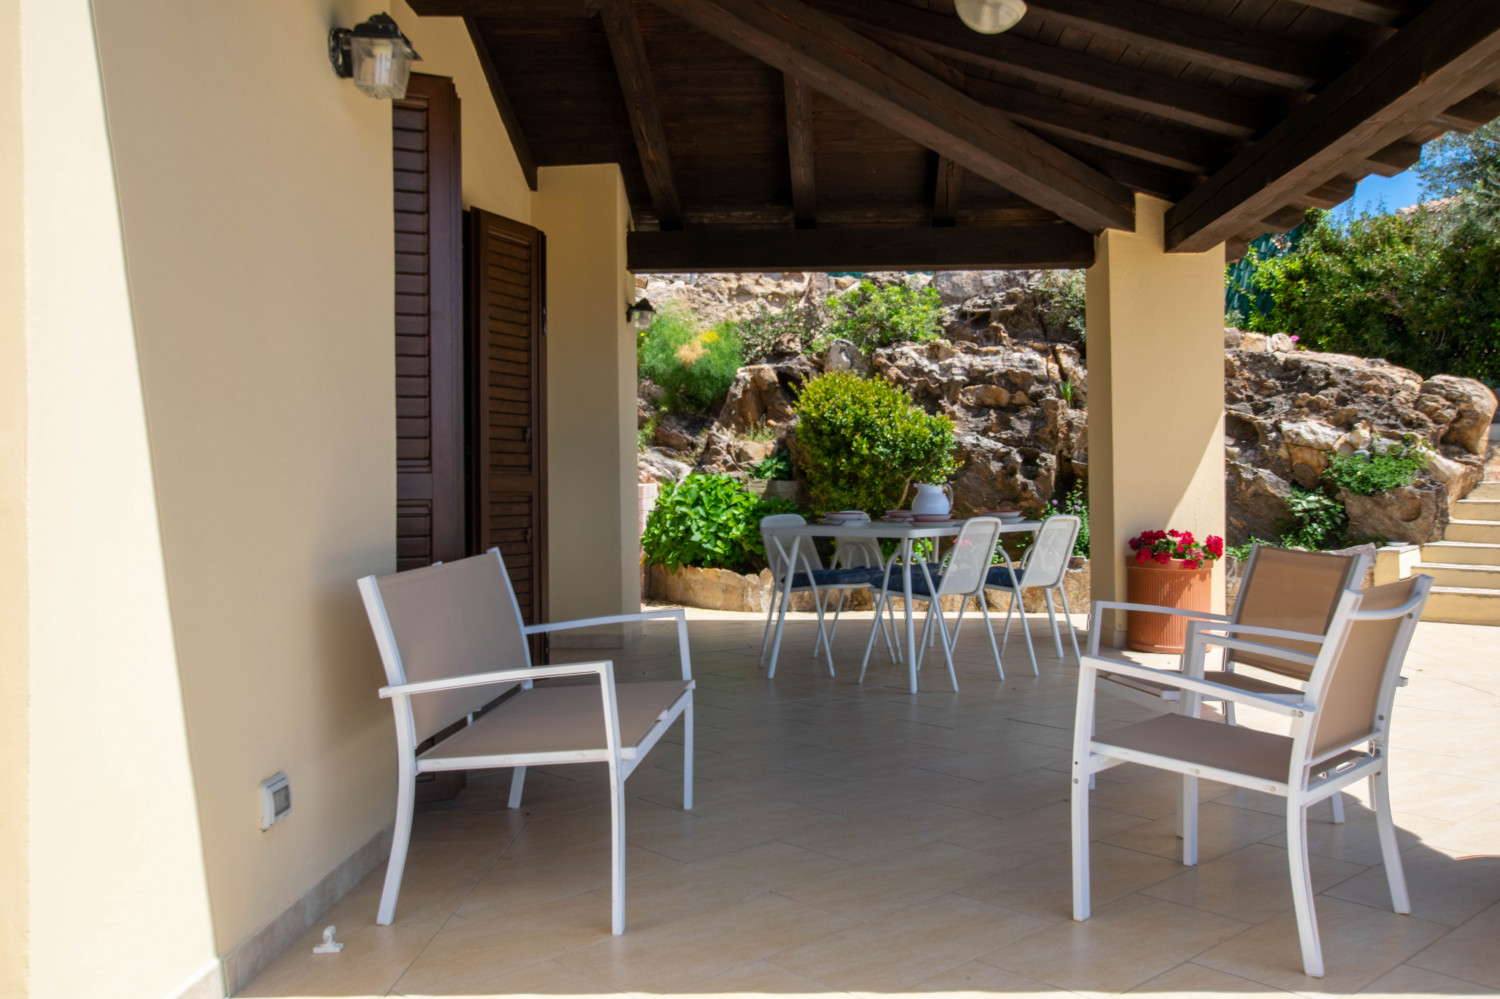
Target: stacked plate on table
(1006, 516)
(933, 518)
(843, 518)
(899, 516)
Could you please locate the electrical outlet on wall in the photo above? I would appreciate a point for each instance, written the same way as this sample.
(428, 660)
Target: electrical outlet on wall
(275, 800)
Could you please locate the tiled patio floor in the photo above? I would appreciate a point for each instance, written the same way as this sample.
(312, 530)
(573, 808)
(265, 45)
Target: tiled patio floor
(856, 839)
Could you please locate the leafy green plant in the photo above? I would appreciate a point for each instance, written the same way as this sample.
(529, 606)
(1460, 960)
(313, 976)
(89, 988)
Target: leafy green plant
(777, 466)
(708, 521)
(758, 432)
(1380, 468)
(1062, 302)
(1318, 521)
(870, 315)
(801, 323)
(863, 440)
(693, 365)
(1241, 553)
(1075, 503)
(647, 433)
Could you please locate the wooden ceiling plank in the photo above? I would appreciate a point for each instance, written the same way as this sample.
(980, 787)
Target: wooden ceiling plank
(858, 72)
(1382, 12)
(1206, 41)
(950, 182)
(1444, 54)
(860, 249)
(629, 51)
(1470, 113)
(800, 151)
(503, 105)
(1394, 158)
(1073, 72)
(573, 9)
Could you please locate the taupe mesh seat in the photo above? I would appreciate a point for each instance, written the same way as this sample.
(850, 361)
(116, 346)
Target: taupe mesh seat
(453, 642)
(1339, 732)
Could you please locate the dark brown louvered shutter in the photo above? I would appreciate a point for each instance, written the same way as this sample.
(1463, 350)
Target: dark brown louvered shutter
(430, 515)
(507, 386)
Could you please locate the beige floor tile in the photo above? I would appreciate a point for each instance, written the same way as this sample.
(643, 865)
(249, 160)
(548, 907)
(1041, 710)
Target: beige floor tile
(1222, 829)
(762, 978)
(1478, 834)
(373, 959)
(1442, 795)
(1039, 833)
(1252, 883)
(902, 825)
(1120, 946)
(977, 980)
(1044, 888)
(1196, 980)
(1406, 981)
(1359, 945)
(901, 951)
(511, 884)
(895, 881)
(674, 956)
(1470, 952)
(1443, 887)
(1357, 840)
(545, 979)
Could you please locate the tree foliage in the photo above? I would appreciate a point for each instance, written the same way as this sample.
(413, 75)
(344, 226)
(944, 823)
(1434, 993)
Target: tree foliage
(870, 315)
(693, 365)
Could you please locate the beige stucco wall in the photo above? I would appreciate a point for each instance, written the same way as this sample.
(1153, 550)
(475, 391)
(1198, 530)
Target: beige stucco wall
(591, 384)
(14, 681)
(255, 191)
(1156, 394)
(118, 900)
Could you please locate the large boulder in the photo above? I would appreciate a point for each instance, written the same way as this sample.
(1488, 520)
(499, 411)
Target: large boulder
(755, 399)
(1470, 406)
(1414, 514)
(1256, 501)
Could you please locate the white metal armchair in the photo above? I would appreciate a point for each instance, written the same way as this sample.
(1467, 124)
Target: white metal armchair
(1340, 728)
(452, 641)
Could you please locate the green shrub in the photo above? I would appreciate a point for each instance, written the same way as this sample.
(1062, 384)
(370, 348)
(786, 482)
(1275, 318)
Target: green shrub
(1076, 502)
(864, 440)
(708, 521)
(1318, 521)
(693, 365)
(870, 315)
(802, 322)
(777, 466)
(1062, 301)
(1380, 468)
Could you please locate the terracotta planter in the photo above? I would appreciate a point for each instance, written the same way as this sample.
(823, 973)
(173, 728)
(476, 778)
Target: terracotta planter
(1166, 585)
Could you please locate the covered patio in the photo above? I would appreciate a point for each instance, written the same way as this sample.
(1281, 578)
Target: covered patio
(851, 839)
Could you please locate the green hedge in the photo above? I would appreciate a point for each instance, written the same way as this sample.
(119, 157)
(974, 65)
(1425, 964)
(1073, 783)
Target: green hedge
(709, 521)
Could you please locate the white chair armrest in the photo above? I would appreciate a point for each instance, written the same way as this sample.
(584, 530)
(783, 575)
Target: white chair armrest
(1096, 616)
(1093, 665)
(676, 613)
(497, 677)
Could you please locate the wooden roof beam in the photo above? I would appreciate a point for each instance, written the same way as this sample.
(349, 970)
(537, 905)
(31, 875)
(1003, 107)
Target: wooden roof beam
(1470, 113)
(629, 51)
(800, 151)
(1444, 54)
(1205, 41)
(1072, 72)
(861, 74)
(950, 182)
(1382, 12)
(860, 249)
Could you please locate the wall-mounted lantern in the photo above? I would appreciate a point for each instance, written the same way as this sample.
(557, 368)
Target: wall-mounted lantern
(375, 54)
(990, 17)
(640, 314)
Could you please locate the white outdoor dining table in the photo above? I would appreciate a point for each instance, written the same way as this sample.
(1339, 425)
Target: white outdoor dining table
(880, 530)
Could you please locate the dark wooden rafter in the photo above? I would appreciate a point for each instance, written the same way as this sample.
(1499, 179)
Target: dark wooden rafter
(1072, 72)
(1382, 12)
(879, 248)
(1202, 40)
(861, 74)
(629, 51)
(503, 106)
(1444, 54)
(800, 155)
(1470, 113)
(946, 191)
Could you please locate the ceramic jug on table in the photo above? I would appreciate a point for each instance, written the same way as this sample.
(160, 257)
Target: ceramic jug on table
(932, 499)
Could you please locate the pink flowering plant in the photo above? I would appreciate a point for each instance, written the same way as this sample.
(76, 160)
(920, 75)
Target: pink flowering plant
(1164, 546)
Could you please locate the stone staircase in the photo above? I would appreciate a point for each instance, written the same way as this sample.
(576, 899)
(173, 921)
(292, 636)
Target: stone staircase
(1465, 565)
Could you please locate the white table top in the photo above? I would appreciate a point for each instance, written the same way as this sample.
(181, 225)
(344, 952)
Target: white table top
(890, 529)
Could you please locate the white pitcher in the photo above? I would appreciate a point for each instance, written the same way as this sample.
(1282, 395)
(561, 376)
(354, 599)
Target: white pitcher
(934, 499)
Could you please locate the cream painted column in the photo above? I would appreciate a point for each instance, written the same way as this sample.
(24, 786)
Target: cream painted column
(591, 384)
(1156, 396)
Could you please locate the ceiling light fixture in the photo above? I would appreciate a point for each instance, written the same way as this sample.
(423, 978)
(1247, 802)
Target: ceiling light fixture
(990, 17)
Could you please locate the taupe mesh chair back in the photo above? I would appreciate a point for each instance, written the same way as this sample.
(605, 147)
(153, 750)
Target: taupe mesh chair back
(1354, 703)
(969, 558)
(1293, 591)
(451, 620)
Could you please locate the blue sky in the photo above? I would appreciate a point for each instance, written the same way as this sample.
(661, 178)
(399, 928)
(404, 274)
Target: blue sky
(1399, 191)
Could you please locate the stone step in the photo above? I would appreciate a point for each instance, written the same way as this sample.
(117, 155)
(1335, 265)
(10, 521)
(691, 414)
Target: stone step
(1485, 491)
(1471, 508)
(1483, 577)
(1485, 532)
(1462, 605)
(1460, 552)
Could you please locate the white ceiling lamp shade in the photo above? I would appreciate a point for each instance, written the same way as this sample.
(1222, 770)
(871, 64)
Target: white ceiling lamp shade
(990, 17)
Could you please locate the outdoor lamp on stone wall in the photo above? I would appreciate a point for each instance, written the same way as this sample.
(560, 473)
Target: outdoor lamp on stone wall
(640, 314)
(990, 17)
(375, 54)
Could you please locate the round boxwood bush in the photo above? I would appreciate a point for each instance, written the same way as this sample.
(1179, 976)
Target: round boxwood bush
(693, 365)
(860, 441)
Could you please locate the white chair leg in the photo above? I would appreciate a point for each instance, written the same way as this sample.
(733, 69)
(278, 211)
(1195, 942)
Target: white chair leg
(880, 600)
(837, 610)
(1390, 849)
(947, 644)
(765, 642)
(1026, 633)
(958, 625)
(406, 797)
(1187, 819)
(1010, 609)
(517, 782)
(989, 629)
(1052, 617)
(1080, 802)
(888, 628)
(1337, 801)
(616, 851)
(687, 757)
(1302, 891)
(1068, 617)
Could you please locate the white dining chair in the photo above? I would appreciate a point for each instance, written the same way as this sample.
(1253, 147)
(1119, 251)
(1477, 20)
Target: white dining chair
(808, 576)
(1044, 567)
